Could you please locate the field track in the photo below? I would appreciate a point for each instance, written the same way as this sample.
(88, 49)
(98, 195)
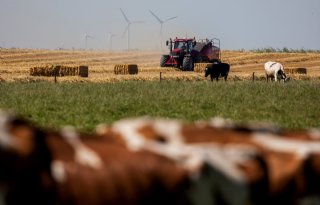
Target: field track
(16, 63)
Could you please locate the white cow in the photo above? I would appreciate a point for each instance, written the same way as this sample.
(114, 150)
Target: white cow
(275, 70)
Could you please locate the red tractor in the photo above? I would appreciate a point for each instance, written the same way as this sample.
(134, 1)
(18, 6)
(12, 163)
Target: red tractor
(184, 52)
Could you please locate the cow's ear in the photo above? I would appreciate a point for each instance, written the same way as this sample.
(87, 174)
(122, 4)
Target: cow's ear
(22, 139)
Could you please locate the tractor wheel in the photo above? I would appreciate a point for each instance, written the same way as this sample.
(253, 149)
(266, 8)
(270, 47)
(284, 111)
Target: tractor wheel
(187, 64)
(163, 60)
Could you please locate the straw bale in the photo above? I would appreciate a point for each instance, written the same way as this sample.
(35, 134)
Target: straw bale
(124, 69)
(200, 67)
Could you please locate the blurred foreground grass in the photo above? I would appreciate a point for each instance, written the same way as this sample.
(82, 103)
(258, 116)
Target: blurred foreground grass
(293, 105)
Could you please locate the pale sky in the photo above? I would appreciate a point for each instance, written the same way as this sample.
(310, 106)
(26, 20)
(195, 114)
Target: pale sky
(239, 24)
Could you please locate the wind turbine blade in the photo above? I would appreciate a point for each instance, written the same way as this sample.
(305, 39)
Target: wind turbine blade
(86, 36)
(168, 19)
(158, 19)
(137, 22)
(125, 17)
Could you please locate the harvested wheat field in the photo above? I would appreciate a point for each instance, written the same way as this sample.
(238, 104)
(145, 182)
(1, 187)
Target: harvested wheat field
(15, 65)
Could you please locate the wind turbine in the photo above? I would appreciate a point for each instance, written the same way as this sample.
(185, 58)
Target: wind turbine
(128, 27)
(110, 37)
(85, 38)
(61, 47)
(161, 24)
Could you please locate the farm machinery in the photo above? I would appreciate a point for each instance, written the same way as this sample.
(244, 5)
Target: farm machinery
(184, 52)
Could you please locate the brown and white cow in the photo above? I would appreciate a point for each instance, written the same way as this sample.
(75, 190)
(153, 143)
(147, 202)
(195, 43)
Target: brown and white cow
(61, 167)
(260, 163)
(158, 161)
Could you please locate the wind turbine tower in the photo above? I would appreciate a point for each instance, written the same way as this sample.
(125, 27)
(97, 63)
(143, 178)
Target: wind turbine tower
(161, 24)
(127, 30)
(110, 37)
(85, 38)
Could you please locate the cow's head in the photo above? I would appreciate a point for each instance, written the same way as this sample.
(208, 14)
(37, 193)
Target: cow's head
(282, 75)
(22, 149)
(206, 72)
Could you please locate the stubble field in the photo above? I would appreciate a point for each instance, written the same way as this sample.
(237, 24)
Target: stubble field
(16, 63)
(86, 102)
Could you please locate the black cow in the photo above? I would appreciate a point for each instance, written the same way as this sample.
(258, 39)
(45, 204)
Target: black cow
(217, 70)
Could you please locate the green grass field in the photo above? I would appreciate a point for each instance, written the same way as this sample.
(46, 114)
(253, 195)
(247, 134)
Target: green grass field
(293, 105)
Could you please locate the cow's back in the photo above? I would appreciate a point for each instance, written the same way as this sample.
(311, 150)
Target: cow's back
(268, 66)
(141, 176)
(271, 67)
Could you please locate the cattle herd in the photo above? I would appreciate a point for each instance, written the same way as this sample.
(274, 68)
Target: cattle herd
(158, 161)
(273, 70)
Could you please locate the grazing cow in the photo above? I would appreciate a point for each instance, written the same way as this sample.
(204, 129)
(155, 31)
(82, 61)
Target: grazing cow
(275, 70)
(217, 70)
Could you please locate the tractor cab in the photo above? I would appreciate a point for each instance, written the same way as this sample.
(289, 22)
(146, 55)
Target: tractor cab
(184, 45)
